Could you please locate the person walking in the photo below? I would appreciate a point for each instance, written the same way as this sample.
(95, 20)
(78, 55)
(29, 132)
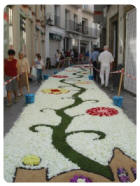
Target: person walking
(94, 59)
(11, 70)
(72, 55)
(87, 56)
(105, 58)
(57, 58)
(23, 68)
(39, 67)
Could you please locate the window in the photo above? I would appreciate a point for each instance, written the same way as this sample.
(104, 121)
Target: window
(67, 18)
(75, 21)
(84, 26)
(22, 33)
(10, 18)
(57, 15)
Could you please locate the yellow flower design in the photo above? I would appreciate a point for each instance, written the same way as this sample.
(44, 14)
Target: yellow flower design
(55, 91)
(31, 160)
(84, 82)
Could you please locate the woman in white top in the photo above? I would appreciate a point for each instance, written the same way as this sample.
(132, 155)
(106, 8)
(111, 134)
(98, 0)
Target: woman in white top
(23, 68)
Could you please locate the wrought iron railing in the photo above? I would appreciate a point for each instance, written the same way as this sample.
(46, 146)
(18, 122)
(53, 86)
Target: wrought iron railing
(72, 26)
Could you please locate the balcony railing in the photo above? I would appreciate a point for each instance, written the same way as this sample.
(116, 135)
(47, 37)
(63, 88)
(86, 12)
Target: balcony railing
(56, 20)
(71, 26)
(85, 29)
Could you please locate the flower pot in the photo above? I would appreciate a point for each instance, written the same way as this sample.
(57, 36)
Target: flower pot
(29, 98)
(45, 76)
(90, 77)
(118, 101)
(55, 72)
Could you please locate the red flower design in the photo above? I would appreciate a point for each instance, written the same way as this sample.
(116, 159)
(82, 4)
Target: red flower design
(102, 111)
(60, 76)
(55, 90)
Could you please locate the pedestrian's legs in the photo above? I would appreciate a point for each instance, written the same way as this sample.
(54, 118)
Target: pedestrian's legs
(107, 71)
(20, 85)
(9, 97)
(15, 89)
(93, 67)
(102, 74)
(38, 75)
(16, 95)
(94, 70)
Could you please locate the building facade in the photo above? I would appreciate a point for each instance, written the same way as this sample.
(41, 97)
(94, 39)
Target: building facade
(70, 27)
(120, 26)
(24, 30)
(121, 38)
(100, 13)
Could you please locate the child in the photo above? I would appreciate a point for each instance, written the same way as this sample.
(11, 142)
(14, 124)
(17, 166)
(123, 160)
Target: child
(39, 67)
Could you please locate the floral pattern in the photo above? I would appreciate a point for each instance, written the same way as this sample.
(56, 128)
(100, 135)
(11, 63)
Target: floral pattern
(80, 178)
(60, 76)
(55, 91)
(31, 160)
(84, 82)
(19, 141)
(102, 111)
(123, 175)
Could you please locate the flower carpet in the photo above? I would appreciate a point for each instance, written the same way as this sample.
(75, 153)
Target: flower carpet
(72, 133)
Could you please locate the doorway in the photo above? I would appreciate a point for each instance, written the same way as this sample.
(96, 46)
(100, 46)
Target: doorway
(113, 40)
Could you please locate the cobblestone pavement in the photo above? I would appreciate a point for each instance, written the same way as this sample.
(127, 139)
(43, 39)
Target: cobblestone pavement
(12, 113)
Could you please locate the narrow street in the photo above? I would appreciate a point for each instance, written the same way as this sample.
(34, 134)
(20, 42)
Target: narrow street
(70, 93)
(129, 104)
(54, 99)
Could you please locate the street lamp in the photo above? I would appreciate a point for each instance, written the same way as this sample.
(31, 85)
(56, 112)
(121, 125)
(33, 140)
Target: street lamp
(49, 21)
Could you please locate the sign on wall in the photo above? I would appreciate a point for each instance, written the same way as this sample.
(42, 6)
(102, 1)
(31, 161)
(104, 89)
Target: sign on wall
(130, 52)
(55, 37)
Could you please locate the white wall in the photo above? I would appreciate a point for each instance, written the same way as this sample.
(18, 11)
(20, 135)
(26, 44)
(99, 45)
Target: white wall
(16, 29)
(112, 12)
(121, 35)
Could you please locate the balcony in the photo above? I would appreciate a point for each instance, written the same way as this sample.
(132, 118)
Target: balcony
(57, 21)
(72, 26)
(78, 28)
(85, 30)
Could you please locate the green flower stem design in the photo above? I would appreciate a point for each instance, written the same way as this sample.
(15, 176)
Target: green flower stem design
(59, 139)
(101, 134)
(33, 128)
